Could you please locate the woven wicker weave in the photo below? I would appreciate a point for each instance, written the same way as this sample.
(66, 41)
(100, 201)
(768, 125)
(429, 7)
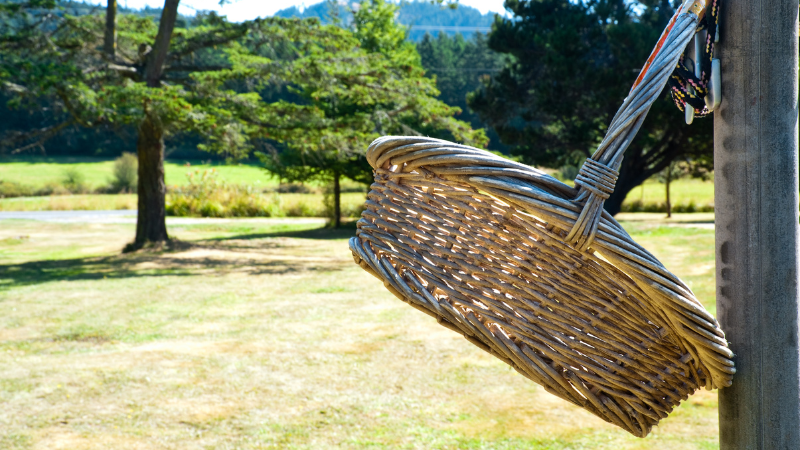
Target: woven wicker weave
(535, 272)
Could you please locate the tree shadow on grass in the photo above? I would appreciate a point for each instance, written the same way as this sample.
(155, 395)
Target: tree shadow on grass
(213, 259)
(346, 231)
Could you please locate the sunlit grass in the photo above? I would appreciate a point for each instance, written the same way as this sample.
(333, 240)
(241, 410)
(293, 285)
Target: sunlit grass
(682, 192)
(263, 334)
(38, 172)
(83, 202)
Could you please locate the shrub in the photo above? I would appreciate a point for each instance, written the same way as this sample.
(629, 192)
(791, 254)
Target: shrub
(206, 196)
(293, 188)
(302, 209)
(638, 206)
(74, 181)
(9, 189)
(125, 173)
(353, 210)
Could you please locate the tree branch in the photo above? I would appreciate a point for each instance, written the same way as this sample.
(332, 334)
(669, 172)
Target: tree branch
(43, 135)
(194, 68)
(157, 57)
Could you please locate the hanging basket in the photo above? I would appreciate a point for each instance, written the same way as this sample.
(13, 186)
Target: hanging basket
(536, 273)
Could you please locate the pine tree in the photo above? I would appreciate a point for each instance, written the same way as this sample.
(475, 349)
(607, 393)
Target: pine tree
(570, 65)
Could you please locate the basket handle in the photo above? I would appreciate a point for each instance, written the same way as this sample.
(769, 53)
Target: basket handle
(598, 175)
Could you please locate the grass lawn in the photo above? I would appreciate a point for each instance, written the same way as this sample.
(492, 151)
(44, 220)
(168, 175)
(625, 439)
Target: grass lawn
(41, 171)
(263, 334)
(682, 192)
(83, 202)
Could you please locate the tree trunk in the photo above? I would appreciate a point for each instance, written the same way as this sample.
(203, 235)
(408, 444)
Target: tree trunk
(629, 178)
(158, 55)
(110, 36)
(151, 227)
(337, 201)
(669, 179)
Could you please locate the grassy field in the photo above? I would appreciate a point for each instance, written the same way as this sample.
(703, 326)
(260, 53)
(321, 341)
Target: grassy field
(683, 192)
(291, 205)
(83, 202)
(40, 171)
(263, 334)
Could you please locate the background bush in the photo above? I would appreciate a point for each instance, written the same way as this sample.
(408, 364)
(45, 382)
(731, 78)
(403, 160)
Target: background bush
(125, 174)
(639, 206)
(206, 196)
(74, 181)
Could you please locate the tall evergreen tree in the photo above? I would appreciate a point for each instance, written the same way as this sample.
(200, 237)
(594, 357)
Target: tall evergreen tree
(571, 65)
(383, 91)
(459, 65)
(206, 79)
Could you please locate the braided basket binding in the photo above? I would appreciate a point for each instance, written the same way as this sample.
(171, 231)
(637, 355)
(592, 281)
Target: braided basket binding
(535, 272)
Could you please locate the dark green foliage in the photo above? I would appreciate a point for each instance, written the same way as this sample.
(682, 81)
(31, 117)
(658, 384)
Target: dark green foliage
(383, 91)
(380, 90)
(459, 66)
(571, 64)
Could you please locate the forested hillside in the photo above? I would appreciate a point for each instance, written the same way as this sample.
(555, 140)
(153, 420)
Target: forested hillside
(422, 16)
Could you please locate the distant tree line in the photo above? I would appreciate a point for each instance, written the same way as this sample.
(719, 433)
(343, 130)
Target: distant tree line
(305, 98)
(221, 82)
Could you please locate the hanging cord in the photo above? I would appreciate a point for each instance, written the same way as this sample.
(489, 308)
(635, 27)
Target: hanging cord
(686, 87)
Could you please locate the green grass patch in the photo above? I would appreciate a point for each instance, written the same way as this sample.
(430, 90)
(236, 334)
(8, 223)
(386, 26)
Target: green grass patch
(34, 173)
(97, 172)
(263, 334)
(686, 196)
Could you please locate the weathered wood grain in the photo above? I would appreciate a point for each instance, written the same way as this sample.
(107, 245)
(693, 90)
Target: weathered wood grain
(756, 199)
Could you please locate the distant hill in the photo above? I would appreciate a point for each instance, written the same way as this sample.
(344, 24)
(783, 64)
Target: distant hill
(80, 8)
(422, 16)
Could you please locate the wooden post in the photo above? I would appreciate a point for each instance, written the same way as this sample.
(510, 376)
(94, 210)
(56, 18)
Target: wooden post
(756, 198)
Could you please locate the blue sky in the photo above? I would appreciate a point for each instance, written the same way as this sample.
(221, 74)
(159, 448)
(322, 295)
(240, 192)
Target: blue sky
(238, 10)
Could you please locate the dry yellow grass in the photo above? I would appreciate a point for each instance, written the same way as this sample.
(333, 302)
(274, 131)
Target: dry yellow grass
(261, 335)
(90, 202)
(291, 205)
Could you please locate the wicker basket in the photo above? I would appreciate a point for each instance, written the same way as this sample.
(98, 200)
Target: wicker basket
(534, 272)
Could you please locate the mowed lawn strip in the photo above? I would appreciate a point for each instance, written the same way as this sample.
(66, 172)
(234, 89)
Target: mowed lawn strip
(97, 172)
(682, 192)
(263, 334)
